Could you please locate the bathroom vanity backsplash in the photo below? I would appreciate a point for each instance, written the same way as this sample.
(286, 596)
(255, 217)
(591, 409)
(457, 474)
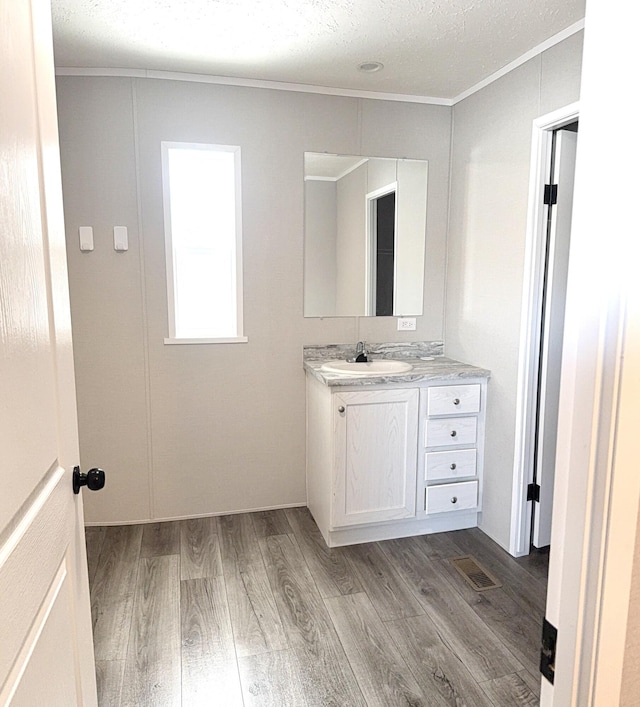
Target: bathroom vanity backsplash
(394, 350)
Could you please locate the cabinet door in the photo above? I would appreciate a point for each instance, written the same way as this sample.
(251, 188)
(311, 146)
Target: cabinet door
(376, 446)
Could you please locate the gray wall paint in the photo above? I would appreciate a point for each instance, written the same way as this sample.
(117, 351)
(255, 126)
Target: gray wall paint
(187, 430)
(320, 248)
(491, 156)
(99, 175)
(351, 232)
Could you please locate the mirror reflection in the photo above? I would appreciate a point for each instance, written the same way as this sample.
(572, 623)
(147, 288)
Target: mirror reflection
(365, 228)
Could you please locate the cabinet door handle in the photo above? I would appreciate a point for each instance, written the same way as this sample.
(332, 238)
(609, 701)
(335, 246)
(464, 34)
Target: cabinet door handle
(341, 408)
(453, 466)
(456, 401)
(454, 499)
(454, 433)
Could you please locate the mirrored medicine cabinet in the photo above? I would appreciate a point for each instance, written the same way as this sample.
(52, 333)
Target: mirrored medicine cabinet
(365, 233)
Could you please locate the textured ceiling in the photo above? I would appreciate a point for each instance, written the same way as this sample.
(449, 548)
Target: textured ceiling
(434, 48)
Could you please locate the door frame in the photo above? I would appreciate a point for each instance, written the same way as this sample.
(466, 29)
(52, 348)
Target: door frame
(531, 322)
(371, 230)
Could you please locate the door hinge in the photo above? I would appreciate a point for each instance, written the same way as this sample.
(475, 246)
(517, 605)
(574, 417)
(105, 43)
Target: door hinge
(548, 650)
(550, 193)
(533, 492)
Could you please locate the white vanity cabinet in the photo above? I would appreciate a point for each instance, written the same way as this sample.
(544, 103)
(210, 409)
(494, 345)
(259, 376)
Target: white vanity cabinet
(394, 460)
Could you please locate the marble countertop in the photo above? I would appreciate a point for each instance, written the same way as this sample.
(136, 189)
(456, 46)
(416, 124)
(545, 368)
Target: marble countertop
(439, 368)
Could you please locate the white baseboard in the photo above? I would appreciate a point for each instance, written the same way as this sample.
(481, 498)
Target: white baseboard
(90, 524)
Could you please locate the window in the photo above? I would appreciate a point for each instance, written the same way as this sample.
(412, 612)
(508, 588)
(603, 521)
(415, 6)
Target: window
(202, 217)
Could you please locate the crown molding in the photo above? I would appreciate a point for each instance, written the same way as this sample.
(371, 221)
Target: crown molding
(251, 83)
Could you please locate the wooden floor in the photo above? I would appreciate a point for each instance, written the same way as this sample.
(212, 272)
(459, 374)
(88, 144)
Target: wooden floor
(253, 609)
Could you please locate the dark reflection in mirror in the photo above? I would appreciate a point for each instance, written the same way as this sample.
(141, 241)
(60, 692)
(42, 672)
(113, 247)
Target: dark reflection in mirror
(365, 230)
(385, 228)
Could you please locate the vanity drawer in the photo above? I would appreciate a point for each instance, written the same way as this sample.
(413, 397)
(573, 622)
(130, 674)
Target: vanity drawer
(452, 399)
(452, 464)
(451, 497)
(450, 431)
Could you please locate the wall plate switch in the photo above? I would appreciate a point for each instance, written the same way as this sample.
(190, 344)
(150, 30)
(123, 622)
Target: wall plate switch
(86, 238)
(406, 323)
(120, 238)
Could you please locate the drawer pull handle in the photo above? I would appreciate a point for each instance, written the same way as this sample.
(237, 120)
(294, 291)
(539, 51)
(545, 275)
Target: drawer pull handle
(453, 466)
(453, 433)
(341, 408)
(456, 401)
(454, 499)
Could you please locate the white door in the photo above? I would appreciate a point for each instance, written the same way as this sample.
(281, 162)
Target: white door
(46, 651)
(376, 442)
(552, 332)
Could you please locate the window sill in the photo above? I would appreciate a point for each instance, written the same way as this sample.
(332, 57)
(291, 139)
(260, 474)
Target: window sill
(231, 340)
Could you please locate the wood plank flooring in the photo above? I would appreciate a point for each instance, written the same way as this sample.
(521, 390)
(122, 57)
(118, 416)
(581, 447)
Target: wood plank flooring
(253, 610)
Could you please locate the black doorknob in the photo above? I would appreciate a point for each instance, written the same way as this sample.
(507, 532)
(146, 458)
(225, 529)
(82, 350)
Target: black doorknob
(94, 479)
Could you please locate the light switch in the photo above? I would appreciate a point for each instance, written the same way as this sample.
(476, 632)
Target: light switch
(86, 237)
(120, 238)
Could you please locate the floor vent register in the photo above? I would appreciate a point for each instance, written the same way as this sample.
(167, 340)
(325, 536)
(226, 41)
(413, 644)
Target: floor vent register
(474, 573)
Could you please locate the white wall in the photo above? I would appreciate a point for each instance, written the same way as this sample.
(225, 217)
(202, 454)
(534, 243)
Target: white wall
(187, 430)
(491, 154)
(380, 173)
(631, 675)
(412, 214)
(320, 248)
(351, 242)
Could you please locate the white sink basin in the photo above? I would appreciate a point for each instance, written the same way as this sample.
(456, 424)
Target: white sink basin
(367, 368)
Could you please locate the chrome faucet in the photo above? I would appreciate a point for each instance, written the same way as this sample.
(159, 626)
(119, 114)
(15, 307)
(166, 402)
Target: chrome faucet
(361, 352)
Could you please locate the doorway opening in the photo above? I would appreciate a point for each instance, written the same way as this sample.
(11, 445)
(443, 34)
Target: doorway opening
(544, 296)
(558, 198)
(381, 250)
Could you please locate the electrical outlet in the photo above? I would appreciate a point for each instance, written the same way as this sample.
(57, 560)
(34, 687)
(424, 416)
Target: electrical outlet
(406, 323)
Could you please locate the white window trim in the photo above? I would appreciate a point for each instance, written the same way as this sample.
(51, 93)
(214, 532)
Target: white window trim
(169, 254)
(228, 340)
